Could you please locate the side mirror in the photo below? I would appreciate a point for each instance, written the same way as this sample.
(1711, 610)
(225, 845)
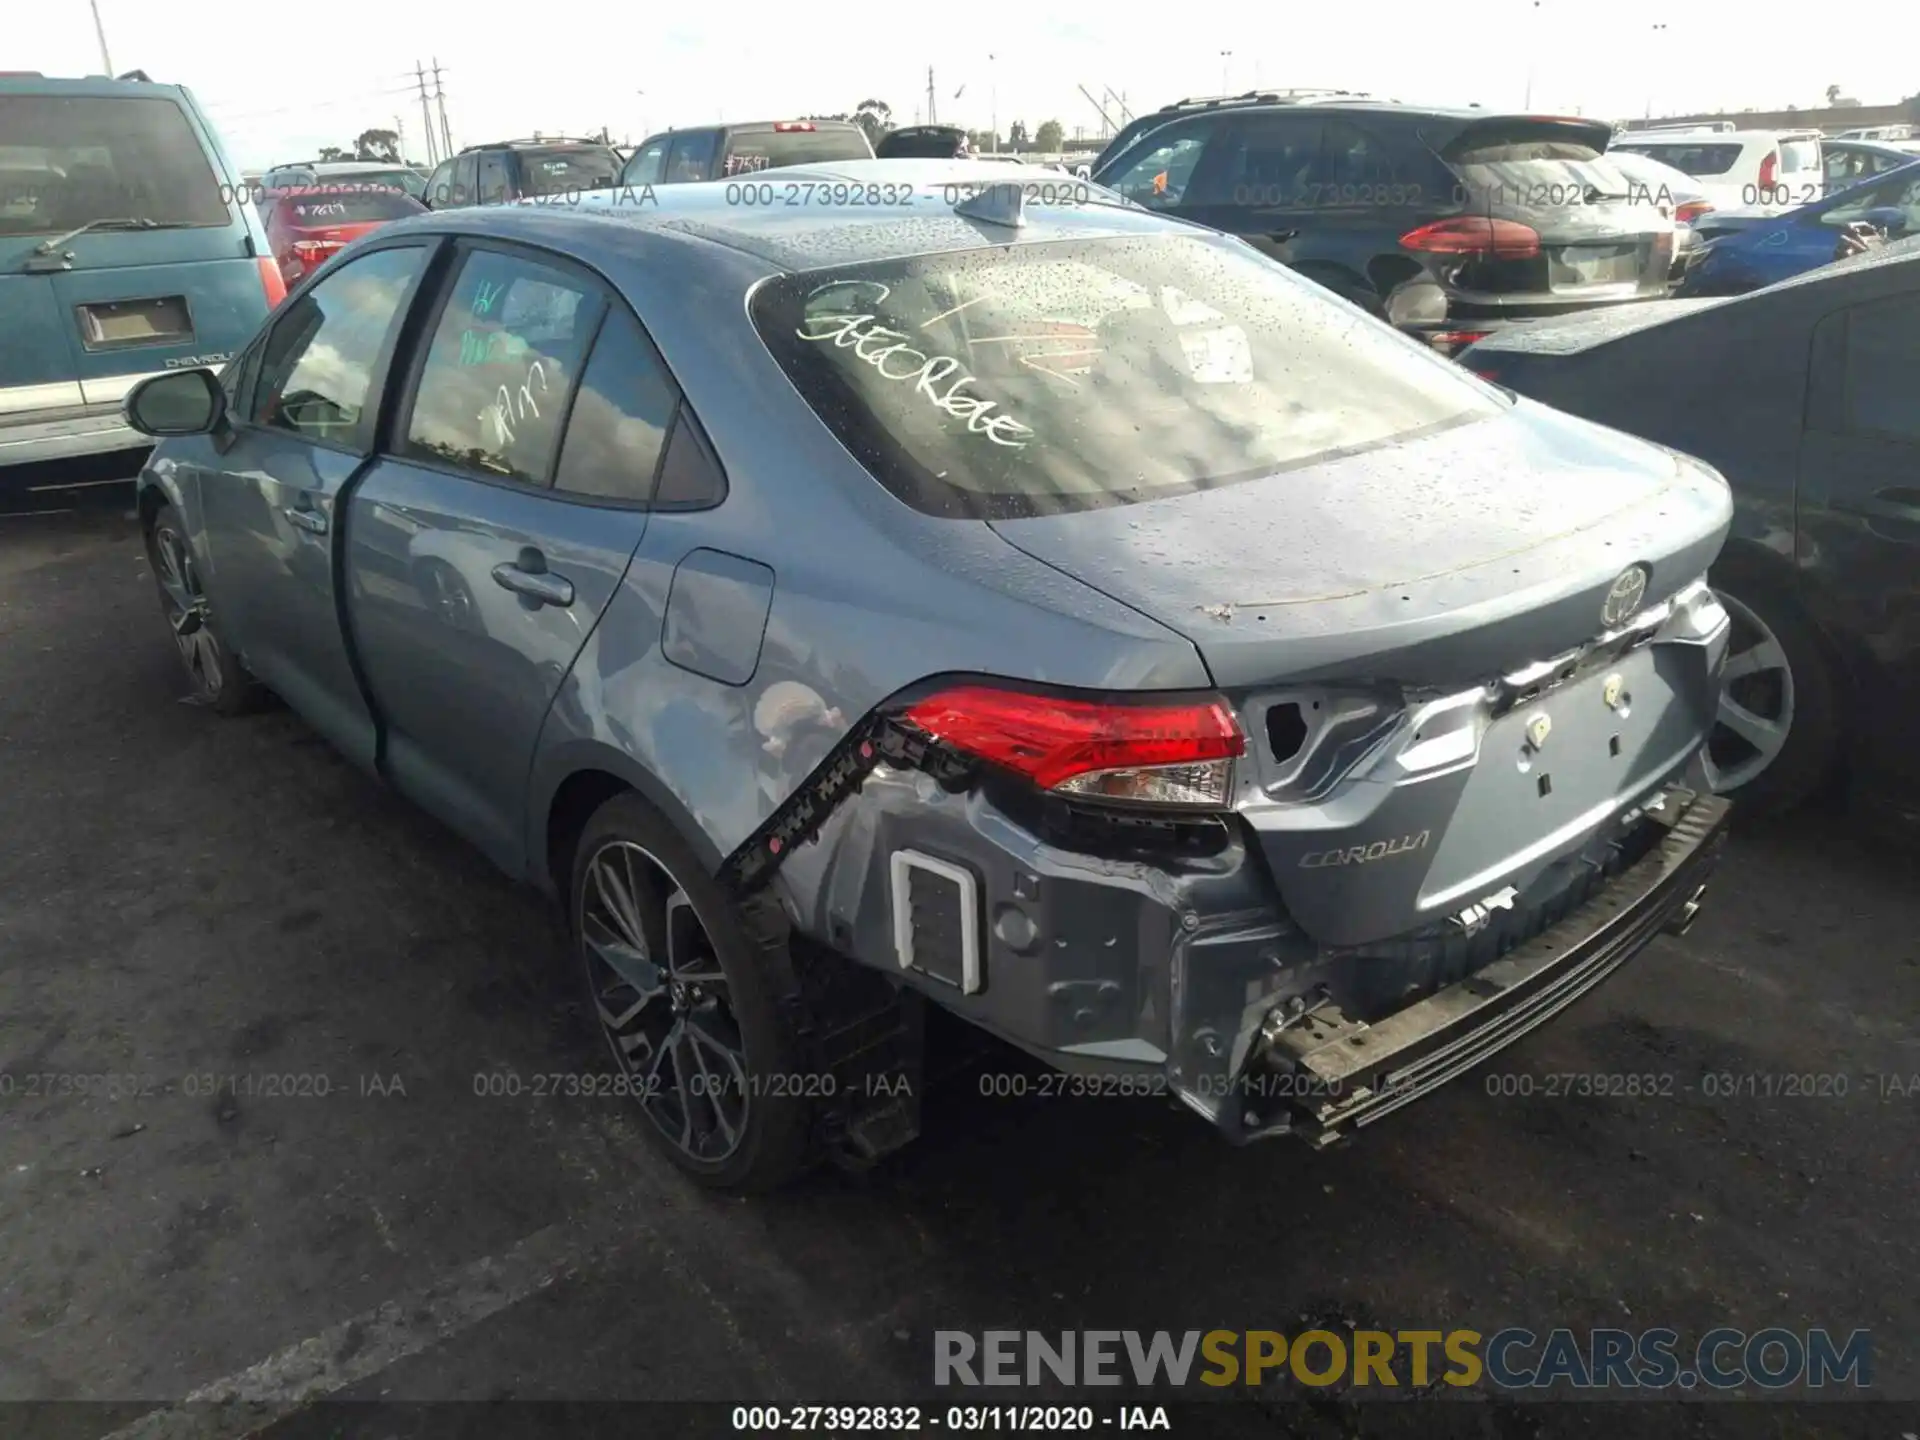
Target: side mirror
(183, 402)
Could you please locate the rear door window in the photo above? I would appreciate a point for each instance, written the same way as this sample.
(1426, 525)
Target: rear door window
(440, 186)
(566, 169)
(690, 156)
(1699, 161)
(465, 178)
(494, 184)
(66, 161)
(620, 419)
(761, 147)
(505, 355)
(1268, 160)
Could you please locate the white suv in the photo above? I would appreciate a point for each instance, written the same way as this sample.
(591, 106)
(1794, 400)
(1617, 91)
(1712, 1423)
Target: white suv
(1764, 170)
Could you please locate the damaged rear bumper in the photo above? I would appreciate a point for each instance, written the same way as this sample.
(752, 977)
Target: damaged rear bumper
(1346, 1074)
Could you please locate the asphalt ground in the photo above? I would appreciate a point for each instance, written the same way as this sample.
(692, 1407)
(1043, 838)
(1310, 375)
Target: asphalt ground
(296, 1190)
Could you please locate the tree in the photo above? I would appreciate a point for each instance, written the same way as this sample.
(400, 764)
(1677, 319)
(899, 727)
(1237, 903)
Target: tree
(1833, 94)
(1049, 138)
(377, 145)
(1017, 137)
(333, 152)
(875, 117)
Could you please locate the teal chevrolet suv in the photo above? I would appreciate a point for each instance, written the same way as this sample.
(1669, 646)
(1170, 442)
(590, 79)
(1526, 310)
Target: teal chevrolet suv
(128, 248)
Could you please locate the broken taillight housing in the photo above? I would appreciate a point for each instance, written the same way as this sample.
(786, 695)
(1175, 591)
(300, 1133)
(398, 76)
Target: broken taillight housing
(1158, 752)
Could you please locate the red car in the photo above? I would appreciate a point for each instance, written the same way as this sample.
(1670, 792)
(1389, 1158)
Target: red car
(307, 224)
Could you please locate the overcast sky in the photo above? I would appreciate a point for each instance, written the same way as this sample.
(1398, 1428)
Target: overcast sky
(282, 83)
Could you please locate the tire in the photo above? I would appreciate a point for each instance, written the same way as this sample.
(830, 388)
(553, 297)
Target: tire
(220, 682)
(716, 1002)
(1780, 669)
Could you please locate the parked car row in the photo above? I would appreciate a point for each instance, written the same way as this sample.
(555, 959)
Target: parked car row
(1089, 616)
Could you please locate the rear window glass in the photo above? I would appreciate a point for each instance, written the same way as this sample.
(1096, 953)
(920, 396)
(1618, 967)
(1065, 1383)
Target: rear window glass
(1531, 160)
(68, 160)
(559, 169)
(1068, 376)
(1695, 160)
(768, 149)
(921, 145)
(1798, 156)
(347, 205)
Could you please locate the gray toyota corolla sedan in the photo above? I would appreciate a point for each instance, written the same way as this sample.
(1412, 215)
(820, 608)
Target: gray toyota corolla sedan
(845, 594)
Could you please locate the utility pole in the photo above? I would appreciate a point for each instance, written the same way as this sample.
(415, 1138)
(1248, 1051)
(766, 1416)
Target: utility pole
(1225, 57)
(993, 113)
(440, 98)
(106, 61)
(933, 112)
(426, 116)
(400, 138)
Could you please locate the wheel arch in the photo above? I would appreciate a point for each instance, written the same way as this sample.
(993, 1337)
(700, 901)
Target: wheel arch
(573, 784)
(1750, 557)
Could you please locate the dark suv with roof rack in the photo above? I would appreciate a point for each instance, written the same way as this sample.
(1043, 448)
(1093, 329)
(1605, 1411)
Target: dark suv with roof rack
(503, 171)
(1449, 223)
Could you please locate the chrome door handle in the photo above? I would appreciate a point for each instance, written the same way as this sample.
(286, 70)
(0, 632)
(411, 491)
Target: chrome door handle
(541, 586)
(311, 521)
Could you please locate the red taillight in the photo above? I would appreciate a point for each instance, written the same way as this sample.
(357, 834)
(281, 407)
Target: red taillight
(1451, 340)
(783, 126)
(271, 280)
(1165, 753)
(1769, 172)
(1475, 235)
(1692, 210)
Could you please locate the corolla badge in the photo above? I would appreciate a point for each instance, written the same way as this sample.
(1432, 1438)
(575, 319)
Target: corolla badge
(1364, 854)
(1624, 596)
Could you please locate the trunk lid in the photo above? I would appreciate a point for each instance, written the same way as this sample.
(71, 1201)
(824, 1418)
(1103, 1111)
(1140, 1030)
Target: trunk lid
(1443, 561)
(1599, 240)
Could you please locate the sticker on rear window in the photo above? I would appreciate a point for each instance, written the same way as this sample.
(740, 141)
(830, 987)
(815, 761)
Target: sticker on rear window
(860, 331)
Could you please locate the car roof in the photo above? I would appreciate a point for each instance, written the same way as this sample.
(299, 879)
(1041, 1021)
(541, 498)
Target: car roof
(348, 167)
(810, 236)
(89, 85)
(1870, 147)
(1714, 137)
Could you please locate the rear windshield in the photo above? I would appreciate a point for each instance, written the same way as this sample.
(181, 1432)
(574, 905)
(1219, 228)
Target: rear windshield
(921, 145)
(1057, 377)
(346, 205)
(1519, 160)
(1694, 159)
(69, 160)
(768, 149)
(557, 169)
(1799, 156)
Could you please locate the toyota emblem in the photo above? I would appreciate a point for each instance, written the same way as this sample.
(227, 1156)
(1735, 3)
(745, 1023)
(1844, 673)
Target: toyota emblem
(1624, 597)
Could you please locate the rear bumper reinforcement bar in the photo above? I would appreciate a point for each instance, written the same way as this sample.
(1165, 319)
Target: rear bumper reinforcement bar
(1372, 1070)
